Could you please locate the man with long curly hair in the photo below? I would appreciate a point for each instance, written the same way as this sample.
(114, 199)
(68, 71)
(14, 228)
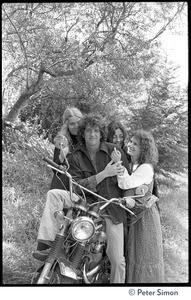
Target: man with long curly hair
(92, 167)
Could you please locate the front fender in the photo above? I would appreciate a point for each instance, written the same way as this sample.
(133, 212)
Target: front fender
(67, 269)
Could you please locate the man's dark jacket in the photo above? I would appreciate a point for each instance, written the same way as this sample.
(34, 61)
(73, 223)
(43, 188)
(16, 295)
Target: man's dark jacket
(83, 171)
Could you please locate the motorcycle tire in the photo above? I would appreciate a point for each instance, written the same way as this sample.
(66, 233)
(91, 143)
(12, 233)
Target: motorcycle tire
(56, 277)
(103, 277)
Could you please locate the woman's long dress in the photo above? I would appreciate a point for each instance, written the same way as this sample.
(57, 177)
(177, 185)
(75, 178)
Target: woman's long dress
(144, 249)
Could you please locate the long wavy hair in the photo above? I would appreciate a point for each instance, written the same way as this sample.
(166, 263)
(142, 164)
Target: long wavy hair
(149, 151)
(69, 112)
(112, 127)
(92, 120)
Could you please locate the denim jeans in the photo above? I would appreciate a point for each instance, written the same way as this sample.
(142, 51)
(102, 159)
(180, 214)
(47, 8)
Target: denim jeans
(56, 200)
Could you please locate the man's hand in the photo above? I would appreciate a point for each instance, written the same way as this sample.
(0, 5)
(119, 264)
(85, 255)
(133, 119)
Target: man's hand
(113, 169)
(130, 202)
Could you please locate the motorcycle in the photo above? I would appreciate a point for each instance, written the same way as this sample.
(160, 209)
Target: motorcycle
(78, 253)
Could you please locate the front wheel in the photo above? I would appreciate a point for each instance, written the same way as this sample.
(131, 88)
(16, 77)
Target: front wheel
(103, 276)
(55, 278)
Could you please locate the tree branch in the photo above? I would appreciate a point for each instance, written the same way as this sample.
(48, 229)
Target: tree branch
(17, 69)
(14, 70)
(24, 97)
(165, 26)
(22, 46)
(66, 37)
(17, 9)
(57, 62)
(101, 21)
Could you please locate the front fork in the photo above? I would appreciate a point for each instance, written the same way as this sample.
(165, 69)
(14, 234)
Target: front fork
(44, 274)
(55, 249)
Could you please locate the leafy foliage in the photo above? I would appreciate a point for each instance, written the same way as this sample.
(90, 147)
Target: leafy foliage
(46, 45)
(164, 112)
(103, 57)
(26, 180)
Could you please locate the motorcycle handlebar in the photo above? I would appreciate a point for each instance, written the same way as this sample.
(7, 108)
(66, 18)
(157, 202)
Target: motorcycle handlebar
(61, 168)
(120, 201)
(53, 164)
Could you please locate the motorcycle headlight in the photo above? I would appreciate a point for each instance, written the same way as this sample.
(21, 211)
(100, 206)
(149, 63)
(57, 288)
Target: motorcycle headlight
(82, 229)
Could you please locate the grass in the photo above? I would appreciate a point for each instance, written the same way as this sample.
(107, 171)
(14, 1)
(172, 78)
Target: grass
(25, 183)
(18, 263)
(174, 218)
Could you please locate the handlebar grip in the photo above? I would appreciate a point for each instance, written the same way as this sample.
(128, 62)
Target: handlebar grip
(50, 162)
(104, 205)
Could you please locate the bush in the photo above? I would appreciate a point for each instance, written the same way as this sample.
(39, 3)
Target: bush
(26, 180)
(174, 217)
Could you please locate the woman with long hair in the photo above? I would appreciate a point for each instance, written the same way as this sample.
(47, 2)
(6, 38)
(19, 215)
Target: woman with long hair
(65, 143)
(116, 133)
(144, 252)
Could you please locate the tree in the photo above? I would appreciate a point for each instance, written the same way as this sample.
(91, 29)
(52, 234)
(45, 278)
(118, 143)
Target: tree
(100, 57)
(164, 113)
(51, 42)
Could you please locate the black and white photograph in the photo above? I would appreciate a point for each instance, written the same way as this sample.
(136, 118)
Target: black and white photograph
(95, 148)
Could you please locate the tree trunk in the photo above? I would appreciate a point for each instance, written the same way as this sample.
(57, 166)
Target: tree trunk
(23, 99)
(15, 110)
